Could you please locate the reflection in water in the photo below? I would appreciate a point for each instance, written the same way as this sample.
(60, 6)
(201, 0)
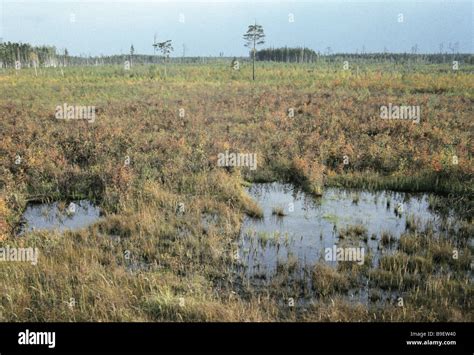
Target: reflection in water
(340, 218)
(55, 216)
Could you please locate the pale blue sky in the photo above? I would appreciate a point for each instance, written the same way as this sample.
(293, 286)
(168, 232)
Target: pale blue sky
(209, 27)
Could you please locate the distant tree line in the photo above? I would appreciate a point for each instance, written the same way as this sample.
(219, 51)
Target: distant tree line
(401, 58)
(26, 54)
(289, 55)
(306, 55)
(48, 56)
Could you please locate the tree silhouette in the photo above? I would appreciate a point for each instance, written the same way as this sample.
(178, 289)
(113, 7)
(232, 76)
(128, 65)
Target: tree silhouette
(254, 37)
(155, 45)
(132, 51)
(165, 48)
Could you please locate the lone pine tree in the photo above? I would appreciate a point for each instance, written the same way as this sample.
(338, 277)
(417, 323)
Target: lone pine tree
(254, 37)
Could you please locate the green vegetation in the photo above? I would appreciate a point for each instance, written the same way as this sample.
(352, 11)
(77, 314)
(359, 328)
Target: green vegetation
(166, 266)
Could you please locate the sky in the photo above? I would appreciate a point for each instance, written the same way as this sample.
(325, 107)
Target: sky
(208, 28)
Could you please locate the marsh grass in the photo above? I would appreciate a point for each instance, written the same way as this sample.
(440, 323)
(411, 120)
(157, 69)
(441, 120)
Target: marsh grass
(326, 280)
(354, 231)
(386, 239)
(278, 211)
(144, 257)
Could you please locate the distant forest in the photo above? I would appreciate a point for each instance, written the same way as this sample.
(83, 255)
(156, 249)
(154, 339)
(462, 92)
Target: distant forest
(48, 56)
(285, 54)
(306, 55)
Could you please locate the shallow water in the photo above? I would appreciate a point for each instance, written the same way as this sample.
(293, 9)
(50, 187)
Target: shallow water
(49, 216)
(311, 225)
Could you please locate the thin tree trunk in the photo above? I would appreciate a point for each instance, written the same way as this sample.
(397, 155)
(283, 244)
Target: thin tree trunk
(253, 66)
